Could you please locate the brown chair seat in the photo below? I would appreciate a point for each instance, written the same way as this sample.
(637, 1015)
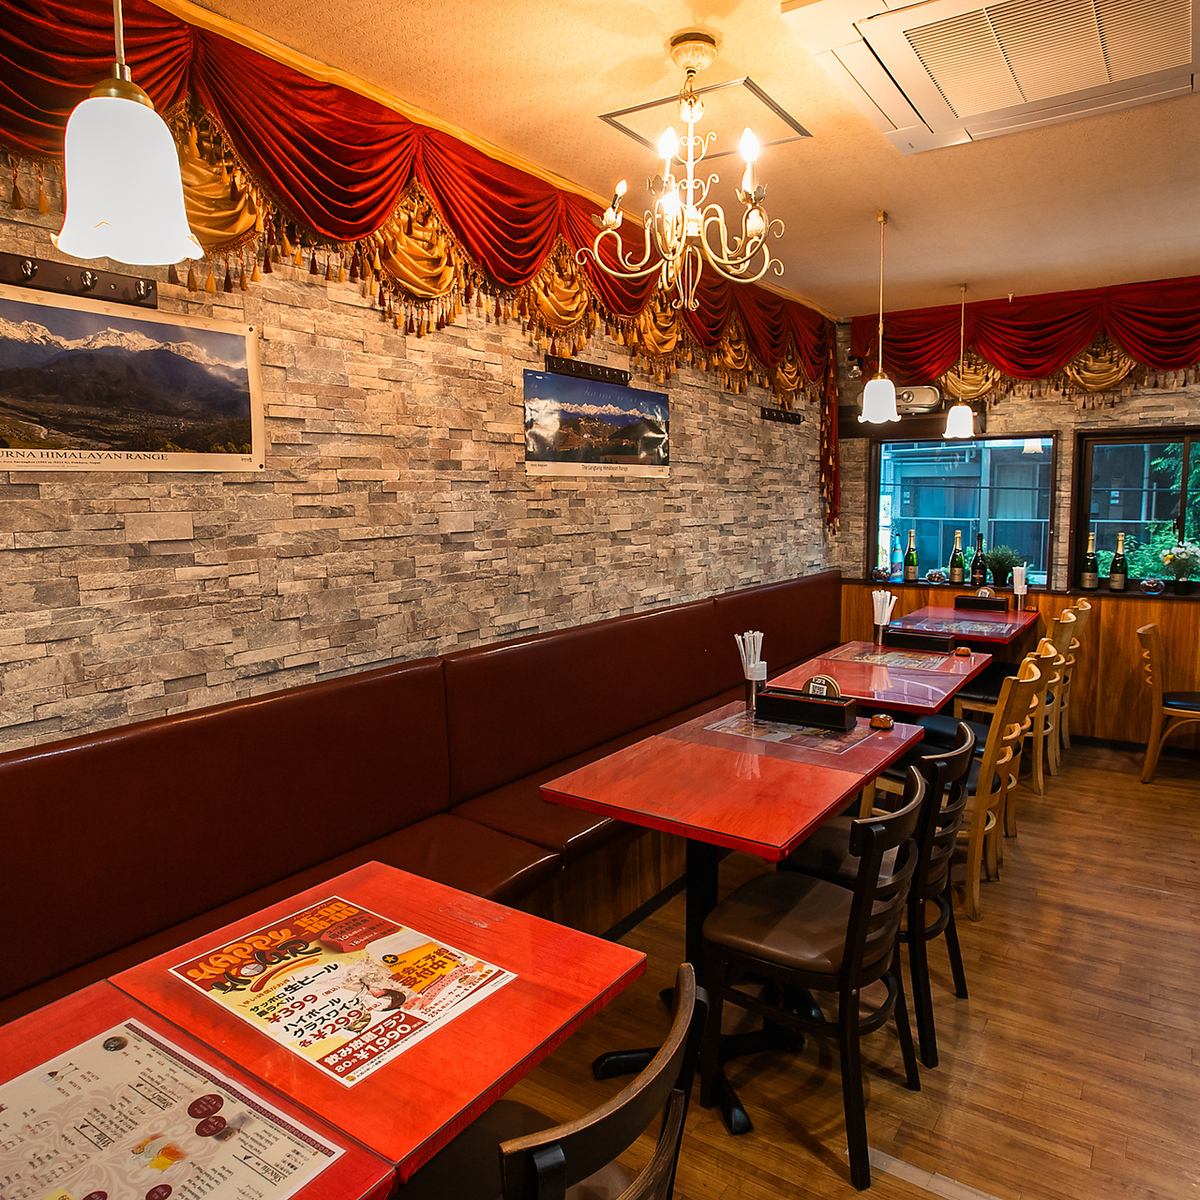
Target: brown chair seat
(1184, 701)
(794, 921)
(470, 1165)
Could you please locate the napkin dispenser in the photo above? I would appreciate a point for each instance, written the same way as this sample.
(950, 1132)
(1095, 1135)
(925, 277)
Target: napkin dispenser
(982, 603)
(907, 639)
(801, 708)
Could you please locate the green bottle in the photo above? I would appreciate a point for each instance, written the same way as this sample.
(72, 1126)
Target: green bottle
(1089, 577)
(978, 564)
(958, 564)
(1118, 573)
(911, 571)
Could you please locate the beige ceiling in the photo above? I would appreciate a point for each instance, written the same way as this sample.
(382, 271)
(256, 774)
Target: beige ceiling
(1107, 199)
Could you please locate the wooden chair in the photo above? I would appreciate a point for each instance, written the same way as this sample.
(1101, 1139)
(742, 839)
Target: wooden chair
(993, 778)
(513, 1153)
(1171, 711)
(799, 932)
(1043, 730)
(1062, 635)
(1083, 613)
(826, 854)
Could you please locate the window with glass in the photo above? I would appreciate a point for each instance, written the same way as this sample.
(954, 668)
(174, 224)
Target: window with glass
(1145, 485)
(1000, 487)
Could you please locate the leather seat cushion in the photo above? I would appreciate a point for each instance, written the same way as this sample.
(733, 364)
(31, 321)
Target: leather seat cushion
(518, 809)
(1182, 700)
(469, 1167)
(785, 918)
(514, 707)
(444, 847)
(798, 618)
(166, 819)
(986, 685)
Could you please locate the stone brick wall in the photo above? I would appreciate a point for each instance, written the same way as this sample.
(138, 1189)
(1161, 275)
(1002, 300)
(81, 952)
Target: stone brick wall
(394, 520)
(1061, 415)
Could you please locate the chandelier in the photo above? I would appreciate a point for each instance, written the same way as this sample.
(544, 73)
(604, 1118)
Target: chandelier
(684, 230)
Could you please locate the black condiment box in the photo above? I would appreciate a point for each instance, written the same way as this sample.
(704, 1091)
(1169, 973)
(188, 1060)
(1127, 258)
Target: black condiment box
(982, 603)
(799, 708)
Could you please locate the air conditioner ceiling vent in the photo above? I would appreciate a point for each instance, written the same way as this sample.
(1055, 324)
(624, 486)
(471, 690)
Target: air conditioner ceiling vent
(940, 72)
(1007, 54)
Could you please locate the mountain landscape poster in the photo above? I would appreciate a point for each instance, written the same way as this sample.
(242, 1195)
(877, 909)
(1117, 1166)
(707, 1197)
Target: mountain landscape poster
(90, 386)
(577, 426)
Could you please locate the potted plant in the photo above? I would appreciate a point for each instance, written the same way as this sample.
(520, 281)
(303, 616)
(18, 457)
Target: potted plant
(1183, 561)
(1001, 560)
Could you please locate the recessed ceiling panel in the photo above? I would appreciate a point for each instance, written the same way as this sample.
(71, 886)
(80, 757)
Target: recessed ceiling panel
(728, 109)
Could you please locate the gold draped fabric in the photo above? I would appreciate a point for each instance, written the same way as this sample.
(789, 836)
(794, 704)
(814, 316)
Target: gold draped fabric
(220, 213)
(415, 253)
(974, 380)
(1100, 368)
(558, 296)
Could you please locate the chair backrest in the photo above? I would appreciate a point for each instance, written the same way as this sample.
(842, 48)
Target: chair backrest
(1083, 612)
(542, 1166)
(945, 775)
(1062, 630)
(886, 848)
(1051, 661)
(915, 639)
(1153, 663)
(1002, 750)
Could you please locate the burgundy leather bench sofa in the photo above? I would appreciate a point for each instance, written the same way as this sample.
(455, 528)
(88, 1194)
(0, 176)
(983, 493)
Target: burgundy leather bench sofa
(120, 844)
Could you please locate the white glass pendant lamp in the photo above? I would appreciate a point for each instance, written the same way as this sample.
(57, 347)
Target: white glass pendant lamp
(121, 174)
(879, 396)
(960, 420)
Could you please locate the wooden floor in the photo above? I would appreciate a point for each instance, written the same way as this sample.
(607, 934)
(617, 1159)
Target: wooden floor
(1072, 1073)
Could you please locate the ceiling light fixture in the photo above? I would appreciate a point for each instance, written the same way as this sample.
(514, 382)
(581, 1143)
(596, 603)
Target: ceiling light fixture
(121, 175)
(879, 396)
(684, 232)
(960, 420)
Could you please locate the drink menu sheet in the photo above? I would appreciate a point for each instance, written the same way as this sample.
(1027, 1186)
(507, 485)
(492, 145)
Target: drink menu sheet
(341, 986)
(127, 1115)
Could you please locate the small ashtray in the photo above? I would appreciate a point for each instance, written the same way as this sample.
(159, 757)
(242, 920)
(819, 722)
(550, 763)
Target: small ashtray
(882, 721)
(963, 651)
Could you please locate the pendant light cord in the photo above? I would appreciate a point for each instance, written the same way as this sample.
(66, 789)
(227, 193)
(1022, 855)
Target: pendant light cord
(881, 217)
(119, 37)
(962, 329)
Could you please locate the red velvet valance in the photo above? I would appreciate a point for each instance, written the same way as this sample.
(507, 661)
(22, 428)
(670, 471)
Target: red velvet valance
(1033, 337)
(339, 161)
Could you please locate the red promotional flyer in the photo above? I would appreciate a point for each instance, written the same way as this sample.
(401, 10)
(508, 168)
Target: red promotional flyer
(343, 987)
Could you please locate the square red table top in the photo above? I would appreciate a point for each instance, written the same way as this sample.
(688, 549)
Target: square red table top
(416, 1103)
(744, 793)
(48, 1032)
(916, 681)
(1001, 628)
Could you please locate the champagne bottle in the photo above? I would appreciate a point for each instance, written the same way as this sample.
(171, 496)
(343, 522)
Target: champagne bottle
(896, 568)
(958, 564)
(1089, 578)
(978, 564)
(1118, 573)
(911, 571)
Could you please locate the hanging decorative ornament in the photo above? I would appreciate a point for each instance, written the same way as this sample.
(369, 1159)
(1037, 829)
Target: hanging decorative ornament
(960, 420)
(879, 396)
(122, 180)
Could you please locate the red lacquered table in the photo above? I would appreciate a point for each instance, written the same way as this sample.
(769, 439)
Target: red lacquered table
(912, 681)
(719, 788)
(417, 1101)
(994, 628)
(170, 1144)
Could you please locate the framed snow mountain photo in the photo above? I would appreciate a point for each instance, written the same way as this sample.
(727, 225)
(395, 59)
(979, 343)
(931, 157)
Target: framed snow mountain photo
(89, 386)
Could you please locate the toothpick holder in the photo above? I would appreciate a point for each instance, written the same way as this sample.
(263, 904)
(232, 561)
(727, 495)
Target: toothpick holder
(756, 678)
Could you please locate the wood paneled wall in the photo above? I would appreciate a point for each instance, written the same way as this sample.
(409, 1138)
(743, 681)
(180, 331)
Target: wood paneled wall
(1109, 700)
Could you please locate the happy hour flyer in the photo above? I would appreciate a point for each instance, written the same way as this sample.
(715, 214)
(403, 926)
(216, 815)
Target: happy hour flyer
(127, 1115)
(343, 987)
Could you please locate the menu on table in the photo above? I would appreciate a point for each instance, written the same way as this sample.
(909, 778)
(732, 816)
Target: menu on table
(831, 741)
(898, 659)
(342, 986)
(128, 1115)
